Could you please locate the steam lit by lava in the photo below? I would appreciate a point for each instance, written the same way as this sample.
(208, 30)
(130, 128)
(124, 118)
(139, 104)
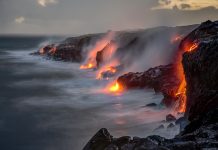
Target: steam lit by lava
(42, 51)
(108, 68)
(111, 70)
(181, 91)
(90, 61)
(176, 38)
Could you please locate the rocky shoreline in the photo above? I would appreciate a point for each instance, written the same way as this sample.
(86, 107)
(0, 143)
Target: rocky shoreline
(199, 63)
(201, 72)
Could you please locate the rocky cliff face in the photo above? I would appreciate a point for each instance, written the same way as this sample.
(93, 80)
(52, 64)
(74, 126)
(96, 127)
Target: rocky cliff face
(201, 72)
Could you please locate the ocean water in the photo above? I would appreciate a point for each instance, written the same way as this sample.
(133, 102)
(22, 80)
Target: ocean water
(52, 105)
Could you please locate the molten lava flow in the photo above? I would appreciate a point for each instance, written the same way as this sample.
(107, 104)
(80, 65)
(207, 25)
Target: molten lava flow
(115, 87)
(181, 91)
(87, 66)
(193, 47)
(90, 61)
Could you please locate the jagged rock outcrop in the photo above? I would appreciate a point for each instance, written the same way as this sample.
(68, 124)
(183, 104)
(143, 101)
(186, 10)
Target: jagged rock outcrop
(201, 72)
(162, 79)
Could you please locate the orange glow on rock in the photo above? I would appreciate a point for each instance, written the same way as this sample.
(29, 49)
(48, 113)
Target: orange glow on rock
(181, 91)
(101, 44)
(42, 51)
(176, 38)
(193, 47)
(107, 68)
(111, 70)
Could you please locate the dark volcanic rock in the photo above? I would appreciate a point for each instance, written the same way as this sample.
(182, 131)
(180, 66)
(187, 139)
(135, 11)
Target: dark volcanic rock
(203, 137)
(171, 125)
(180, 120)
(162, 79)
(99, 141)
(113, 71)
(170, 117)
(70, 49)
(151, 105)
(157, 78)
(103, 54)
(201, 72)
(159, 128)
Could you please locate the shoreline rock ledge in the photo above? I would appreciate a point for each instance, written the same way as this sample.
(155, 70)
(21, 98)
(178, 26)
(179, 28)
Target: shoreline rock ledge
(201, 73)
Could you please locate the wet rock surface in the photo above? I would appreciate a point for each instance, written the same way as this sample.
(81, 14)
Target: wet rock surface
(201, 72)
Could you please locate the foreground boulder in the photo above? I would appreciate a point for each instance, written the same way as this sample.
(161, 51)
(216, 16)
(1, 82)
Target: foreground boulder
(201, 72)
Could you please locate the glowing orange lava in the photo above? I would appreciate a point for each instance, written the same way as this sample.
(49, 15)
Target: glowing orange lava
(110, 69)
(88, 66)
(115, 87)
(181, 91)
(193, 47)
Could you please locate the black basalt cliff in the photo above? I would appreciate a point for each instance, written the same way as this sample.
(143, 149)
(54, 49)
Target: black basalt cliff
(201, 70)
(201, 73)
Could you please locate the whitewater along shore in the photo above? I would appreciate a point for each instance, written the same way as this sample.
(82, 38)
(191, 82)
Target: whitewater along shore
(190, 80)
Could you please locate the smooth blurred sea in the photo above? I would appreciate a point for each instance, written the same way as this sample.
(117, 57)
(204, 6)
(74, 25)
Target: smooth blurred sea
(49, 105)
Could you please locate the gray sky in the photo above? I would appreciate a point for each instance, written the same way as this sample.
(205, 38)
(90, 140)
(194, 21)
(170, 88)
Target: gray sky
(90, 16)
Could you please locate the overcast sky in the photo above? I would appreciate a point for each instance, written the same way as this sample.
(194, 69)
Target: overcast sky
(89, 16)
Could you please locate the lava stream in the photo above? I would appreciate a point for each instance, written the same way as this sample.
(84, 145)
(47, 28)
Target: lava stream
(181, 91)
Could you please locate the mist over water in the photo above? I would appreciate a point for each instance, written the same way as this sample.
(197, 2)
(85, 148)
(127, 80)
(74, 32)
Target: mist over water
(52, 105)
